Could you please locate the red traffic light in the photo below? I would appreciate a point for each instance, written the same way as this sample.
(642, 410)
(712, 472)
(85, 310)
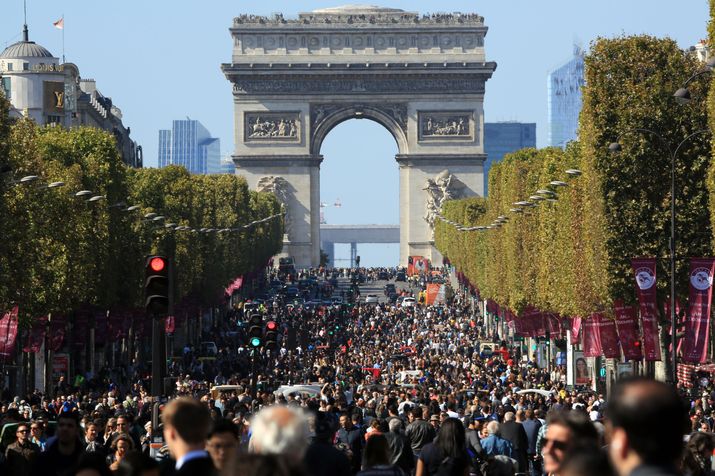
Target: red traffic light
(271, 325)
(157, 264)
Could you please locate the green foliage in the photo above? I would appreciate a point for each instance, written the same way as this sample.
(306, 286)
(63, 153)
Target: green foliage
(573, 256)
(59, 251)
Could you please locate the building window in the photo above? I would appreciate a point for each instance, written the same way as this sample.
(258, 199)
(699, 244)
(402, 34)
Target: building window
(25, 66)
(6, 87)
(9, 66)
(54, 119)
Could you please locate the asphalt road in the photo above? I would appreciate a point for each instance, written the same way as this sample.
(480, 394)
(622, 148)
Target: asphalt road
(374, 287)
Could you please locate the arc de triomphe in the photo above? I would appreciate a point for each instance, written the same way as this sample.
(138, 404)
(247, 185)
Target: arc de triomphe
(421, 77)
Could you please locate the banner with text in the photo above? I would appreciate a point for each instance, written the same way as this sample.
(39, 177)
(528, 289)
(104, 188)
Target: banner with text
(609, 337)
(644, 271)
(627, 324)
(697, 328)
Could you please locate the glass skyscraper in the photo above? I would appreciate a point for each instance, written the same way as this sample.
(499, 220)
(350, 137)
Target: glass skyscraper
(564, 88)
(501, 138)
(190, 144)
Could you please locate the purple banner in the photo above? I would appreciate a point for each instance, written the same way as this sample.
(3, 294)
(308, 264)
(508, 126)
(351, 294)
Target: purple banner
(57, 332)
(645, 277)
(627, 324)
(697, 328)
(575, 323)
(609, 338)
(591, 336)
(8, 332)
(37, 335)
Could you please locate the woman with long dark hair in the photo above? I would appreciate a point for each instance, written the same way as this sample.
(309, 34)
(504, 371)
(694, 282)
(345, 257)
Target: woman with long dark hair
(447, 454)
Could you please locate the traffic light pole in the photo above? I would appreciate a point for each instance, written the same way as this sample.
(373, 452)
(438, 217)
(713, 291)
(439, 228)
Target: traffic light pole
(157, 358)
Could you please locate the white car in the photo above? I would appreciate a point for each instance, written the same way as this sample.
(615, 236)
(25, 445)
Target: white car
(371, 299)
(409, 302)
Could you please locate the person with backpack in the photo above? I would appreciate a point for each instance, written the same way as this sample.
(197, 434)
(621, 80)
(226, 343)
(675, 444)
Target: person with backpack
(447, 455)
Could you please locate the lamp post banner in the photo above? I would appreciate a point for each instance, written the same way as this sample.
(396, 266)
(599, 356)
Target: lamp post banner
(609, 337)
(575, 323)
(697, 329)
(57, 332)
(628, 330)
(591, 336)
(644, 271)
(36, 336)
(8, 332)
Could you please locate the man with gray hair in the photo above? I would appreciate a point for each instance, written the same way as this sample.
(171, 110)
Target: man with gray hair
(513, 431)
(280, 430)
(400, 449)
(494, 444)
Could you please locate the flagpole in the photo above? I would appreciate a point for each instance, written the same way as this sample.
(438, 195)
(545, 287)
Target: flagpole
(63, 38)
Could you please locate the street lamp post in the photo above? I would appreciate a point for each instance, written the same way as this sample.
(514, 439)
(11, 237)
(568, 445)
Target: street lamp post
(616, 147)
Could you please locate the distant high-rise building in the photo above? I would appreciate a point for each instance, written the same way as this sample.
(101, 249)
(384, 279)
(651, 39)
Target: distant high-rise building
(502, 138)
(227, 165)
(564, 89)
(190, 144)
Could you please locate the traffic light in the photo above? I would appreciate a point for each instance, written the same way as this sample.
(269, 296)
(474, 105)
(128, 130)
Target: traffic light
(271, 335)
(255, 331)
(156, 285)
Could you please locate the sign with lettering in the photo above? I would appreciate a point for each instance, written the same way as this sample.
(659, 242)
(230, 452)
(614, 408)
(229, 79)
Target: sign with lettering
(54, 97)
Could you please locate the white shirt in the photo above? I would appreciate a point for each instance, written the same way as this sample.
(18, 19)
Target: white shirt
(189, 456)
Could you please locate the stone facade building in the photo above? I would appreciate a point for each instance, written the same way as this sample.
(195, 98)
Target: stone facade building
(41, 88)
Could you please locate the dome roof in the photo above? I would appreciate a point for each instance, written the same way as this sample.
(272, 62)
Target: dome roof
(26, 49)
(357, 10)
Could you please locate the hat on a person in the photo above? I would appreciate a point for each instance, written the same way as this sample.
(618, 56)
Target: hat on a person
(434, 418)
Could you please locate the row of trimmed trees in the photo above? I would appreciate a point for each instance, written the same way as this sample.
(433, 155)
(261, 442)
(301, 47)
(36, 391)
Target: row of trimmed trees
(59, 252)
(572, 256)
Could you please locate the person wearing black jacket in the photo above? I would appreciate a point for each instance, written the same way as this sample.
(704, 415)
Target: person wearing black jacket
(186, 426)
(400, 449)
(514, 432)
(63, 454)
(419, 431)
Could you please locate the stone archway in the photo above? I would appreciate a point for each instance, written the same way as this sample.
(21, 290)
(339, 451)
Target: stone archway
(421, 77)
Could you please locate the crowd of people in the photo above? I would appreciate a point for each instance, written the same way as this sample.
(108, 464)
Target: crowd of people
(382, 389)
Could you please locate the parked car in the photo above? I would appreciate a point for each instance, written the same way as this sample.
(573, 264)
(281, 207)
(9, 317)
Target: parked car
(409, 302)
(371, 299)
(400, 276)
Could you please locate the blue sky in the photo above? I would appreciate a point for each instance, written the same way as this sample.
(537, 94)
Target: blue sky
(159, 60)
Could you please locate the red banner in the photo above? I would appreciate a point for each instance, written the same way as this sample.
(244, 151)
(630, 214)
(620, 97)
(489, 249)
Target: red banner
(57, 332)
(591, 336)
(80, 327)
(553, 324)
(697, 328)
(8, 332)
(170, 324)
(609, 338)
(101, 325)
(627, 324)
(644, 271)
(37, 335)
(575, 329)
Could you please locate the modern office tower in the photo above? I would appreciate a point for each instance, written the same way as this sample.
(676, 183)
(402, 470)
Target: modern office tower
(564, 89)
(190, 144)
(502, 138)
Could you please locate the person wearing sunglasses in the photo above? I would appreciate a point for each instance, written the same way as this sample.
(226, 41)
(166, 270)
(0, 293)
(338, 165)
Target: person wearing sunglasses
(20, 455)
(565, 430)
